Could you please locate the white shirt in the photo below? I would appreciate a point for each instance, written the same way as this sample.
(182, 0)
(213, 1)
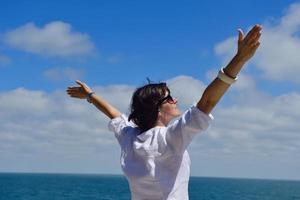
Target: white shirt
(156, 162)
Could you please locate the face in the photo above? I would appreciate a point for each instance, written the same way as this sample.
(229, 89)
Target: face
(168, 109)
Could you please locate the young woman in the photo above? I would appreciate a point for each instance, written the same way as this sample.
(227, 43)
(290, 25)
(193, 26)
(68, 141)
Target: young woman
(154, 158)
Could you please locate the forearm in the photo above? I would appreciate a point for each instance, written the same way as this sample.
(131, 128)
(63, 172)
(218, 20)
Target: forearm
(234, 66)
(217, 88)
(104, 106)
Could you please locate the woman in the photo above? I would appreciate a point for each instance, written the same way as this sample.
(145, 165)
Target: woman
(154, 158)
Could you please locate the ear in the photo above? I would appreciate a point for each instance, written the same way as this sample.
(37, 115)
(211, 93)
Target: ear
(159, 117)
(159, 113)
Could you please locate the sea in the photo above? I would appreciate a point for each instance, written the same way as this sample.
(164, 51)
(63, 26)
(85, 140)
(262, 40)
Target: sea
(47, 186)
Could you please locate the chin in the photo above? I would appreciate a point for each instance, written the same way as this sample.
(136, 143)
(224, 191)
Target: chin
(178, 113)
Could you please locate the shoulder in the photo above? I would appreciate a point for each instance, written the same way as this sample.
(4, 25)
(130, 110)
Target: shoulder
(119, 123)
(193, 113)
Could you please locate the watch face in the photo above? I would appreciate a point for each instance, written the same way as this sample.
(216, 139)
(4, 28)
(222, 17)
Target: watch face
(88, 98)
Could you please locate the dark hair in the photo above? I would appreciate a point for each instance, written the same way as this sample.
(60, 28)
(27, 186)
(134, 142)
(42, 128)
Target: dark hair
(145, 104)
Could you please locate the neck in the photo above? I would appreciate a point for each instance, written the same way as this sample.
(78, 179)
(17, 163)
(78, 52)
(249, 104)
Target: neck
(160, 122)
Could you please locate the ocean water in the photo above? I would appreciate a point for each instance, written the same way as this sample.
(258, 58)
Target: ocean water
(27, 186)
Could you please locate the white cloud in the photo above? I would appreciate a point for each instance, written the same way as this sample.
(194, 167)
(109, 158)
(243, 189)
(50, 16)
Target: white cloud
(226, 49)
(251, 140)
(278, 56)
(33, 103)
(54, 39)
(178, 87)
(65, 134)
(66, 73)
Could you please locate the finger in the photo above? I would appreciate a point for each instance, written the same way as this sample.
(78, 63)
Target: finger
(70, 88)
(74, 95)
(74, 89)
(253, 31)
(254, 39)
(77, 96)
(241, 35)
(79, 82)
(249, 34)
(255, 28)
(71, 94)
(256, 45)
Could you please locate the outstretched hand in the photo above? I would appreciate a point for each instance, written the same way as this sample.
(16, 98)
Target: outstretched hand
(80, 92)
(247, 45)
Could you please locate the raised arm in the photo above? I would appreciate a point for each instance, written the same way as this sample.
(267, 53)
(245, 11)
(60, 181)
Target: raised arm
(82, 92)
(246, 48)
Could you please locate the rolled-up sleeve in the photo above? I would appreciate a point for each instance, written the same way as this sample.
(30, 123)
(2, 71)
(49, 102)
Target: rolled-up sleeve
(181, 132)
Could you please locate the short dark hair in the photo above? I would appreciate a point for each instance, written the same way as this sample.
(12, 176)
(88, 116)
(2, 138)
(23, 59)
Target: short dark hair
(145, 104)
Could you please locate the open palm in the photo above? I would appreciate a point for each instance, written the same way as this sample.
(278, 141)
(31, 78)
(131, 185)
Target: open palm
(80, 91)
(247, 45)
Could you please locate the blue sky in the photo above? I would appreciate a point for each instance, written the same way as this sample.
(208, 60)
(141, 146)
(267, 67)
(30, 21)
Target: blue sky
(153, 39)
(113, 46)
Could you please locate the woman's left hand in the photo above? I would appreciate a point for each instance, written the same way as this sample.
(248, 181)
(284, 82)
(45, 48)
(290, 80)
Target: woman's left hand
(248, 44)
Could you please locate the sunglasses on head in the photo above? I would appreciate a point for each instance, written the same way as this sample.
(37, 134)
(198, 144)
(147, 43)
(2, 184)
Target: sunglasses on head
(168, 99)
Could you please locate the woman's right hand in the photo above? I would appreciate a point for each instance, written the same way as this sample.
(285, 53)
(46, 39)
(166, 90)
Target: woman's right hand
(80, 91)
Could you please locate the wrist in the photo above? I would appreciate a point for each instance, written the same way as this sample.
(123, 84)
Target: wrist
(89, 96)
(235, 66)
(239, 58)
(223, 76)
(228, 73)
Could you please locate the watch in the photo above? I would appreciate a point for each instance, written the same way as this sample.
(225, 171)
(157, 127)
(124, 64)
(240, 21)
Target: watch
(88, 97)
